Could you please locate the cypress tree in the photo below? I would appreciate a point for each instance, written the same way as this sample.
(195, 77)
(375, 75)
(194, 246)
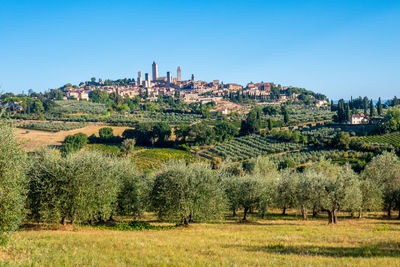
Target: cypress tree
(365, 105)
(379, 107)
(371, 109)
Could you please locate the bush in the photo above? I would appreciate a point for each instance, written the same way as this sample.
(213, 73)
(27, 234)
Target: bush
(74, 143)
(12, 182)
(106, 133)
(128, 146)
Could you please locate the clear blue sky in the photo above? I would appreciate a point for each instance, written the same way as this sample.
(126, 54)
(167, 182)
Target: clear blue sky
(339, 48)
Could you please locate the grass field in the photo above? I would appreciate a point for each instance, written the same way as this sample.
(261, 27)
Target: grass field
(152, 158)
(284, 241)
(32, 140)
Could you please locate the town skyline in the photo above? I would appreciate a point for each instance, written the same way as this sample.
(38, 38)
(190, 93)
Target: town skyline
(339, 48)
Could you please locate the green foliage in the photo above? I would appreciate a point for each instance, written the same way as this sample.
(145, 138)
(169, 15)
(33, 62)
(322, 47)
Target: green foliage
(52, 126)
(106, 133)
(252, 124)
(134, 226)
(74, 143)
(12, 182)
(183, 194)
(128, 146)
(252, 146)
(383, 173)
(341, 140)
(84, 107)
(82, 188)
(337, 187)
(391, 121)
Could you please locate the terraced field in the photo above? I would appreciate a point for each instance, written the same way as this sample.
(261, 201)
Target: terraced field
(391, 139)
(252, 146)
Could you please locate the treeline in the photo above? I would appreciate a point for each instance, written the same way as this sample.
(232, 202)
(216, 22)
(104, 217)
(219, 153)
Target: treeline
(91, 188)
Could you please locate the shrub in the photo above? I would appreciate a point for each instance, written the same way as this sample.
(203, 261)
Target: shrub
(128, 146)
(12, 182)
(106, 133)
(74, 143)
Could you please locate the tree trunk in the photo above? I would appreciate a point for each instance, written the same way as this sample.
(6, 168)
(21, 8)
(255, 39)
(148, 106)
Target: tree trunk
(64, 220)
(234, 213)
(245, 214)
(389, 211)
(284, 211)
(315, 212)
(334, 212)
(360, 214)
(185, 221)
(330, 219)
(304, 212)
(190, 218)
(398, 217)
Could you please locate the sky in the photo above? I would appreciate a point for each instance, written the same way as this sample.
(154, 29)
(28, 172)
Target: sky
(338, 48)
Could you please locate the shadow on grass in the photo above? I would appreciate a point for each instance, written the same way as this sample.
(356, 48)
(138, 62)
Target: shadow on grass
(390, 249)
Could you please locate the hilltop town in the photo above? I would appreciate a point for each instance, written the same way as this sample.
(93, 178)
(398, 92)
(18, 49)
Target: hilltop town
(192, 91)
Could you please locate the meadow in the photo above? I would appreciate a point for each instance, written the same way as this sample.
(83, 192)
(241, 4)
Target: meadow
(283, 241)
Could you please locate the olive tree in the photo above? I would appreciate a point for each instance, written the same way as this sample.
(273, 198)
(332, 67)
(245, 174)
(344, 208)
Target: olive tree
(286, 190)
(184, 193)
(383, 172)
(339, 187)
(81, 188)
(12, 182)
(128, 146)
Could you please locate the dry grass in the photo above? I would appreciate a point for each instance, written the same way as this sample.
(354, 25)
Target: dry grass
(32, 140)
(277, 242)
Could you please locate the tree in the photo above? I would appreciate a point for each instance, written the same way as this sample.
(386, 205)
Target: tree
(384, 172)
(365, 105)
(286, 190)
(341, 140)
(183, 194)
(225, 131)
(285, 114)
(339, 187)
(395, 101)
(161, 132)
(12, 182)
(270, 124)
(74, 143)
(391, 121)
(93, 79)
(106, 133)
(128, 146)
(379, 107)
(371, 109)
(252, 124)
(80, 187)
(256, 190)
(270, 110)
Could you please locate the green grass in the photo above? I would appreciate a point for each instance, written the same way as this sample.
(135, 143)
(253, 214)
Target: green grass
(279, 242)
(155, 157)
(105, 148)
(391, 139)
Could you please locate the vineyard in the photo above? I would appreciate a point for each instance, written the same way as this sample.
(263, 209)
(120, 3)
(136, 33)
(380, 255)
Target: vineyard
(130, 120)
(299, 114)
(252, 146)
(302, 157)
(391, 139)
(52, 126)
(84, 107)
(321, 133)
